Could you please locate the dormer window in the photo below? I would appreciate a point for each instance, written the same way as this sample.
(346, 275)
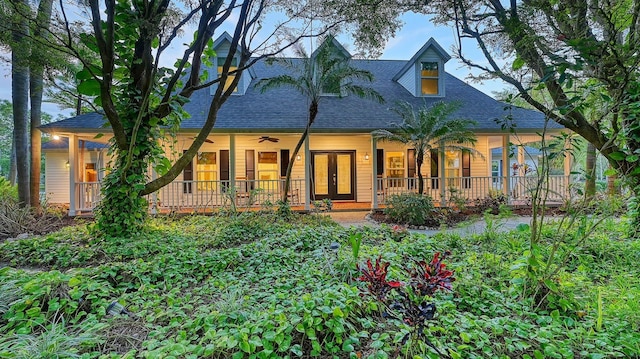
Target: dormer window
(429, 74)
(230, 77)
(424, 74)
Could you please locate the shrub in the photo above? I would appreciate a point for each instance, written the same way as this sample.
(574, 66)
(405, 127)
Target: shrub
(409, 208)
(492, 202)
(7, 190)
(16, 219)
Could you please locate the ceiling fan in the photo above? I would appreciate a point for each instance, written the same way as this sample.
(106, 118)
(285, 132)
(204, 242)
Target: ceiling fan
(205, 140)
(268, 138)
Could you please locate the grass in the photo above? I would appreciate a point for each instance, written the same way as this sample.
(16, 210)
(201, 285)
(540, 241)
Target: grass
(259, 286)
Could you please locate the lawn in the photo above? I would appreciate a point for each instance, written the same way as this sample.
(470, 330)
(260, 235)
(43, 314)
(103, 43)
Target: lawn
(258, 286)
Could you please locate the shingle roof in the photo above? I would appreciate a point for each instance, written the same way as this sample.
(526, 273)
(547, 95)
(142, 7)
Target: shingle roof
(285, 110)
(63, 144)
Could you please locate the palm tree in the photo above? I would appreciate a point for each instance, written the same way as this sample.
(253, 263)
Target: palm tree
(326, 71)
(430, 128)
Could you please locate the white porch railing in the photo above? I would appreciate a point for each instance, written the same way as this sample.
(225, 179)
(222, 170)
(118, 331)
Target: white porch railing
(471, 188)
(203, 195)
(206, 195)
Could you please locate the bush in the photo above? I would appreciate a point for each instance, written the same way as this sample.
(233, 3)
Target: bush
(492, 202)
(16, 219)
(409, 208)
(7, 190)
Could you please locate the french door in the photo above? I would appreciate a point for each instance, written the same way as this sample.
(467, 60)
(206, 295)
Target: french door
(333, 174)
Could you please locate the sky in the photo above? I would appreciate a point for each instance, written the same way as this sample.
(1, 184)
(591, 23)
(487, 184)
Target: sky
(415, 32)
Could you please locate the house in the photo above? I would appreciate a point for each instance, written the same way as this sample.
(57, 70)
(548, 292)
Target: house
(255, 133)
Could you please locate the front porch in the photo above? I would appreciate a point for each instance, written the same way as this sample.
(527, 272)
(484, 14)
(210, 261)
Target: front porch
(209, 196)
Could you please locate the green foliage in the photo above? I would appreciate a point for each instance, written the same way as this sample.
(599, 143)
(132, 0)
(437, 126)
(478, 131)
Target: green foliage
(430, 128)
(492, 203)
(409, 208)
(16, 219)
(322, 206)
(7, 191)
(258, 285)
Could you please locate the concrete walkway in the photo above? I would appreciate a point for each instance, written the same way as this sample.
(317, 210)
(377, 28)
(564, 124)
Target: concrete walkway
(359, 219)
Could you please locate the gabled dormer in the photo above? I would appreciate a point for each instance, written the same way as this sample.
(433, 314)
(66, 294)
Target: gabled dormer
(424, 74)
(332, 49)
(222, 47)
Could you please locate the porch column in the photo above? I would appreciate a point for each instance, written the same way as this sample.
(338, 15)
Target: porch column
(521, 155)
(374, 175)
(232, 162)
(506, 168)
(73, 167)
(443, 175)
(307, 174)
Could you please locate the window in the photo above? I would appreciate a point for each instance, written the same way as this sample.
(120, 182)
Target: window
(90, 173)
(429, 74)
(206, 169)
(268, 170)
(234, 66)
(395, 168)
(452, 168)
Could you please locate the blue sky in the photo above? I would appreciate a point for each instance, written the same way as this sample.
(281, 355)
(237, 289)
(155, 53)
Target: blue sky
(409, 39)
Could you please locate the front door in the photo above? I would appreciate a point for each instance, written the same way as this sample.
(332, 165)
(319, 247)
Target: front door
(333, 175)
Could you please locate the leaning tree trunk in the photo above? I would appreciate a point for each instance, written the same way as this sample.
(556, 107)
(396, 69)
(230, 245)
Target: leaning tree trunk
(43, 18)
(123, 210)
(590, 169)
(20, 98)
(313, 112)
(419, 160)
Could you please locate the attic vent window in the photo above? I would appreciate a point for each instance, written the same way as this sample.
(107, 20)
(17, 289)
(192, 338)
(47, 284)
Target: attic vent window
(230, 77)
(429, 78)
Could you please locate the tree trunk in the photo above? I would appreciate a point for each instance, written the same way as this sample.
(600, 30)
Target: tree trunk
(43, 19)
(419, 161)
(590, 169)
(313, 112)
(13, 169)
(20, 99)
(123, 209)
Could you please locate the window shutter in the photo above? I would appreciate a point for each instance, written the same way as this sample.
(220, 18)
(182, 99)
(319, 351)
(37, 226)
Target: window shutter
(284, 162)
(411, 162)
(380, 162)
(434, 168)
(187, 177)
(224, 168)
(250, 166)
(466, 169)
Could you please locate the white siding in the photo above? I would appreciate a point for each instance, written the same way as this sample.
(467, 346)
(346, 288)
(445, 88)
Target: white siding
(56, 177)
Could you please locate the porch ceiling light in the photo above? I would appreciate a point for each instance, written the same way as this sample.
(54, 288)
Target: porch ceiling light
(55, 137)
(67, 165)
(298, 157)
(366, 156)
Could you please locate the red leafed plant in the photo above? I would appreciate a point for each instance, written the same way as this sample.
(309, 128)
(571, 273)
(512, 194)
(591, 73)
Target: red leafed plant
(427, 278)
(376, 278)
(409, 303)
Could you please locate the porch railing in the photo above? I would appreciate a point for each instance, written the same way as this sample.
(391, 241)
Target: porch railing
(203, 195)
(472, 188)
(200, 196)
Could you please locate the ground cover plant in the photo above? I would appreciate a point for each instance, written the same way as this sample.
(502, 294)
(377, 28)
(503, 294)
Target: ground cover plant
(257, 286)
